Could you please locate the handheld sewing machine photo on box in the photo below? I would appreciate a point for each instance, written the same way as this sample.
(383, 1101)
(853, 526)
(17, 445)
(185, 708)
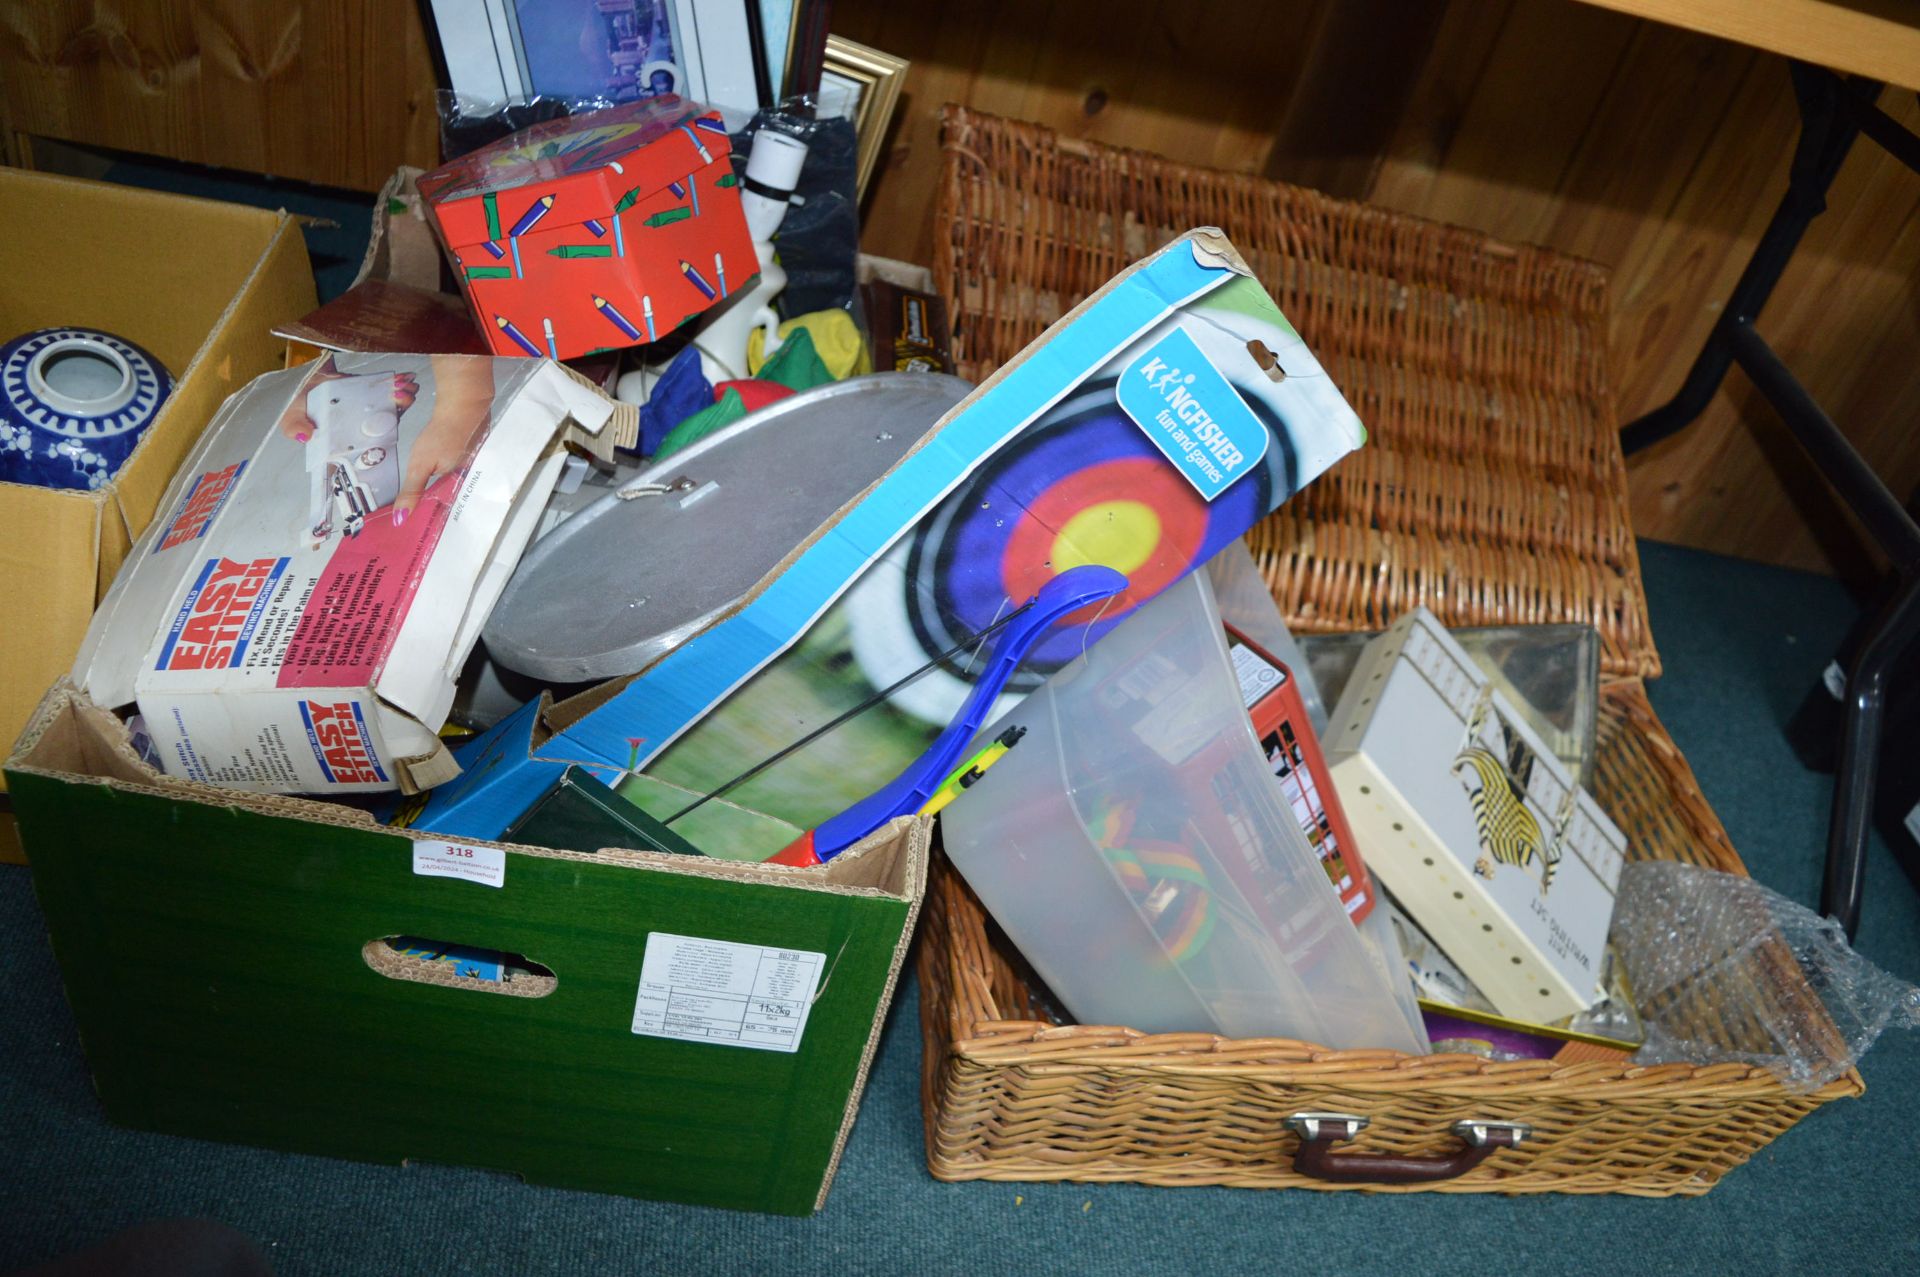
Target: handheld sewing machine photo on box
(295, 621)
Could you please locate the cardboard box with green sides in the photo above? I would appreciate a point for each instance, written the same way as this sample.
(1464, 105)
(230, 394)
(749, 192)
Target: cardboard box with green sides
(670, 1027)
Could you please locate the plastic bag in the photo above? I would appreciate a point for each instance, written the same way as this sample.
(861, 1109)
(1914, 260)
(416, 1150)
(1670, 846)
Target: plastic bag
(468, 123)
(820, 238)
(1727, 971)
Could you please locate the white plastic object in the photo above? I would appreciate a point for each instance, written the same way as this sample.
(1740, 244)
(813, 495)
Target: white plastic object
(573, 472)
(773, 167)
(723, 336)
(774, 164)
(636, 384)
(1139, 851)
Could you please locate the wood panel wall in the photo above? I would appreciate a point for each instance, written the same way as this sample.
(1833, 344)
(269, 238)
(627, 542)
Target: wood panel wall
(1655, 151)
(1658, 152)
(335, 92)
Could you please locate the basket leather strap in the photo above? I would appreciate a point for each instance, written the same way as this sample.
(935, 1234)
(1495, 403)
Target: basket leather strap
(1320, 1132)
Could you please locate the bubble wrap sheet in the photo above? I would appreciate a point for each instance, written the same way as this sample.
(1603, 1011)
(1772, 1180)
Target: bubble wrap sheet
(1725, 970)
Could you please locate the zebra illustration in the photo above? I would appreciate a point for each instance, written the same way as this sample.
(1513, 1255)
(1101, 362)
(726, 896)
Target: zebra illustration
(1497, 789)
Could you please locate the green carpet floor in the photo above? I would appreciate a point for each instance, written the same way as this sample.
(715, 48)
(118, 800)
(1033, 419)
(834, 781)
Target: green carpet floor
(1835, 1195)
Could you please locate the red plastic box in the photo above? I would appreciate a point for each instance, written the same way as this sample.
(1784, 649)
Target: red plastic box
(597, 231)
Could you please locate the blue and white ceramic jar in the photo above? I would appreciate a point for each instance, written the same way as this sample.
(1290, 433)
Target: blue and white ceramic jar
(74, 403)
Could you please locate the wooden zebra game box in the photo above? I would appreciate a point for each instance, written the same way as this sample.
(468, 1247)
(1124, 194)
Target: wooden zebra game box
(1473, 824)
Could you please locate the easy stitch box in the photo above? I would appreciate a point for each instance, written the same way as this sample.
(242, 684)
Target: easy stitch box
(594, 232)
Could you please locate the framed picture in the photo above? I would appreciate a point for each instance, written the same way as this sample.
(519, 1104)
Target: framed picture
(617, 50)
(717, 54)
(863, 85)
(776, 28)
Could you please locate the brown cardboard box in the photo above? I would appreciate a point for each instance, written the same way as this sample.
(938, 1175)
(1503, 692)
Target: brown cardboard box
(199, 283)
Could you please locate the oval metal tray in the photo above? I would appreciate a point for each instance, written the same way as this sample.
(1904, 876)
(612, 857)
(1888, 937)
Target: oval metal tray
(625, 581)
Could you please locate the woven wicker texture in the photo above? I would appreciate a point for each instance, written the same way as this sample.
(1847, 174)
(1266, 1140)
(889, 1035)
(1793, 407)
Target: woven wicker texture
(1492, 488)
(1008, 1095)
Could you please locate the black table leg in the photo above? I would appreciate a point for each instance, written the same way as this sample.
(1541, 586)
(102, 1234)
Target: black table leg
(1893, 631)
(1893, 634)
(1827, 132)
(1833, 114)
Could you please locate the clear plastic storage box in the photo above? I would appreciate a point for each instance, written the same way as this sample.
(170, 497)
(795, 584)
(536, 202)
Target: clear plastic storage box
(1136, 846)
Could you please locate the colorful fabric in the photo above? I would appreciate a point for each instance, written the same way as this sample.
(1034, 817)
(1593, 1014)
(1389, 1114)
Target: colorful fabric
(835, 339)
(716, 416)
(681, 391)
(755, 392)
(796, 365)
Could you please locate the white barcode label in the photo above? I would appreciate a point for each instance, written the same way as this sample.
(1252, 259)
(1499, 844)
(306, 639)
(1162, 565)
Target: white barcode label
(434, 858)
(1913, 822)
(699, 990)
(1255, 676)
(1836, 680)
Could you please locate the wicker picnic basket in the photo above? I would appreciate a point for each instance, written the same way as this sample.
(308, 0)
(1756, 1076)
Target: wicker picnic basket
(1492, 490)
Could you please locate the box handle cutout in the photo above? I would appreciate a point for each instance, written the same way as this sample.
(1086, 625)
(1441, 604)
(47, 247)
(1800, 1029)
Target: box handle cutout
(458, 966)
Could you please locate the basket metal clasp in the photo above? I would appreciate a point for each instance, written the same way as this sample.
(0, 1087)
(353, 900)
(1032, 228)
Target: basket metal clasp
(1480, 1133)
(1314, 1127)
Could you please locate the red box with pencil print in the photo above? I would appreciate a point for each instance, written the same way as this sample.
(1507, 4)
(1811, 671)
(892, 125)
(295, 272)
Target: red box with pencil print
(597, 231)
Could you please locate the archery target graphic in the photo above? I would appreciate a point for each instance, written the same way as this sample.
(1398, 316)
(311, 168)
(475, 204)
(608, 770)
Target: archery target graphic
(1083, 484)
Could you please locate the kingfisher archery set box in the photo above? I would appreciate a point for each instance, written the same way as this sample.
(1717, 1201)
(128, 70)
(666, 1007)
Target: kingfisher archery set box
(1146, 430)
(595, 231)
(1473, 824)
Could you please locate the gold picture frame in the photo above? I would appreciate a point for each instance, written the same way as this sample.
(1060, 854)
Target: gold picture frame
(872, 80)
